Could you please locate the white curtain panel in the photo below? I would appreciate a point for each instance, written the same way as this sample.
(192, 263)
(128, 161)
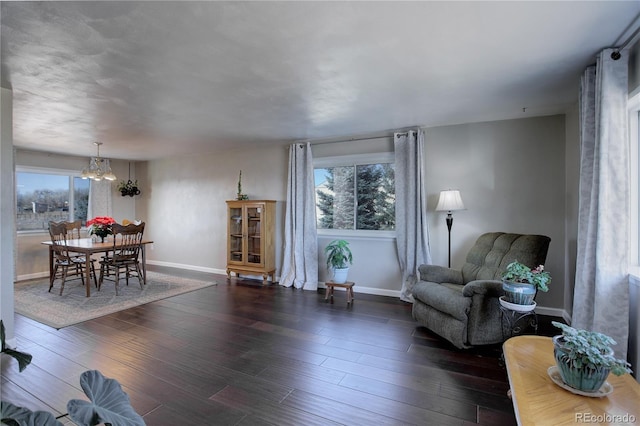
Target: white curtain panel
(300, 260)
(412, 232)
(601, 296)
(100, 199)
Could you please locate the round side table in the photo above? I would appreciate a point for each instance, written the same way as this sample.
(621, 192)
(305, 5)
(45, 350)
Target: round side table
(516, 320)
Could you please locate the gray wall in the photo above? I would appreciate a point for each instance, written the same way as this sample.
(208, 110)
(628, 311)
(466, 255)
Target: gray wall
(183, 202)
(510, 173)
(511, 176)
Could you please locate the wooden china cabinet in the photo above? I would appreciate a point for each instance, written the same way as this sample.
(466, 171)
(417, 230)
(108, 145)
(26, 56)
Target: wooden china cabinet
(251, 238)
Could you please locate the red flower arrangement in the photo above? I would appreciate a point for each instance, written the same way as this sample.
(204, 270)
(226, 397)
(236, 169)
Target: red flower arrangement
(100, 226)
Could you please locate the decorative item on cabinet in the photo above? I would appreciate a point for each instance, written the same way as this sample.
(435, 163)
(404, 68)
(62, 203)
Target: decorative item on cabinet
(240, 195)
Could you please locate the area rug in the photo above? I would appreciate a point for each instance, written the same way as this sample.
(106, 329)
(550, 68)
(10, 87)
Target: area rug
(33, 300)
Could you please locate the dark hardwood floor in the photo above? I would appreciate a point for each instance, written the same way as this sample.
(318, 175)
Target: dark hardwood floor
(242, 354)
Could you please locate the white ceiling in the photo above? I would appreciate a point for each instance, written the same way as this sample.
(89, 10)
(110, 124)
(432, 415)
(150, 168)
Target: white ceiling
(156, 79)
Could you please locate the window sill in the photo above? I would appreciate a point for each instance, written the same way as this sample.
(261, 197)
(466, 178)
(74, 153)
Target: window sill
(351, 234)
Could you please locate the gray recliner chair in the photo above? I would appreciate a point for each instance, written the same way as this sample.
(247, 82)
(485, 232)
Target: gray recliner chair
(463, 306)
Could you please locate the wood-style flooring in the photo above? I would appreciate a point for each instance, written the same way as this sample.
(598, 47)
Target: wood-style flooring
(240, 353)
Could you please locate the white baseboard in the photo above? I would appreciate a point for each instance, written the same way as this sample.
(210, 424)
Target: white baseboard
(27, 277)
(553, 312)
(187, 267)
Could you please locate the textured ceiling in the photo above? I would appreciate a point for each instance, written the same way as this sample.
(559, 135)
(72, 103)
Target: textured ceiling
(156, 79)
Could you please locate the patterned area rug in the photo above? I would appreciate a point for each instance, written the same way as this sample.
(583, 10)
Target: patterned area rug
(33, 300)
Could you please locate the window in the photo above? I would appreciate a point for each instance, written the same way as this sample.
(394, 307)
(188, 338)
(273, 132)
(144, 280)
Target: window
(355, 193)
(43, 196)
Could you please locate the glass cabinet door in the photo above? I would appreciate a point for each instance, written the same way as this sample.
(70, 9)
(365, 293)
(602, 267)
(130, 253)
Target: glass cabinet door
(254, 235)
(235, 234)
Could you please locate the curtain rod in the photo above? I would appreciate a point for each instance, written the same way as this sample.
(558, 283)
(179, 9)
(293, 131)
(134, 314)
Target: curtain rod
(361, 138)
(352, 140)
(617, 55)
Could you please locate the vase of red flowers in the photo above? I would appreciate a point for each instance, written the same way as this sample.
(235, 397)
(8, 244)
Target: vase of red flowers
(101, 226)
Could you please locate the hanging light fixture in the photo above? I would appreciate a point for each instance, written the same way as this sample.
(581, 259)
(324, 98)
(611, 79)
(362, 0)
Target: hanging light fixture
(99, 168)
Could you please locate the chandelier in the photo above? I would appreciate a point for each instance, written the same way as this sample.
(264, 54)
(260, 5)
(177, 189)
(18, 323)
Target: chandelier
(99, 168)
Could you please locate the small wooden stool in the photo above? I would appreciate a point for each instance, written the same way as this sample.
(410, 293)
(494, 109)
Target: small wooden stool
(347, 285)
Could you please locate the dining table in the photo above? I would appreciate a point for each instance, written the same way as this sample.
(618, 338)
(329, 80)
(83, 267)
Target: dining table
(88, 247)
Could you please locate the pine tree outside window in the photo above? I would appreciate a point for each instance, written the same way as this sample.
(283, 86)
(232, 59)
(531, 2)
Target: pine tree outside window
(355, 193)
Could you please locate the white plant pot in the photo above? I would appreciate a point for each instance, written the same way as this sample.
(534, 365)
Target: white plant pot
(340, 275)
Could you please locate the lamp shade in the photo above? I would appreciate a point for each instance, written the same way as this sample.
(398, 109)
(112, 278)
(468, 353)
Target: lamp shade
(450, 200)
(99, 168)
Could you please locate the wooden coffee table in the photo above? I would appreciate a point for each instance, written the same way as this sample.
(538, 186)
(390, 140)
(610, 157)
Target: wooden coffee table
(537, 400)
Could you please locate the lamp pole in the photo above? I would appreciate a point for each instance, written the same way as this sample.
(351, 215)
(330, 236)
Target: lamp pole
(449, 225)
(449, 201)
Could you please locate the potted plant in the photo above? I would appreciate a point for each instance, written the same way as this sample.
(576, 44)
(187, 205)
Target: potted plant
(101, 226)
(128, 188)
(109, 403)
(585, 358)
(339, 258)
(520, 283)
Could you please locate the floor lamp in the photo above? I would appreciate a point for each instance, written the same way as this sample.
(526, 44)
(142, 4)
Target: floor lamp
(449, 201)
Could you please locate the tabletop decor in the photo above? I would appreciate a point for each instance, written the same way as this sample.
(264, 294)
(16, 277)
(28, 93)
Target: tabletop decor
(101, 226)
(520, 283)
(585, 358)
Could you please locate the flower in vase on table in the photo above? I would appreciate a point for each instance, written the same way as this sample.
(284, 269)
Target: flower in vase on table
(100, 226)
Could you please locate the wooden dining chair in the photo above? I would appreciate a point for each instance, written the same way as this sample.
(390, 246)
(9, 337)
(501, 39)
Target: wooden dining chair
(73, 229)
(65, 264)
(125, 256)
(73, 233)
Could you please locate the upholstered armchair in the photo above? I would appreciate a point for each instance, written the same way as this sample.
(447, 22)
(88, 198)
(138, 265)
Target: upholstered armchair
(463, 305)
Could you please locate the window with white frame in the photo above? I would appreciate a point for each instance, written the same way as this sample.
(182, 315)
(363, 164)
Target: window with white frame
(355, 193)
(44, 195)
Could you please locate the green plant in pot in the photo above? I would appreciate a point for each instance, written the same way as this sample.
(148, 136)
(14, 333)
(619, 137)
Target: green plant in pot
(520, 283)
(128, 188)
(585, 358)
(339, 258)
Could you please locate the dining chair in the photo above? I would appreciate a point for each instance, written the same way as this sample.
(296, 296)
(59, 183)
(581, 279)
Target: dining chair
(125, 255)
(73, 229)
(65, 265)
(73, 233)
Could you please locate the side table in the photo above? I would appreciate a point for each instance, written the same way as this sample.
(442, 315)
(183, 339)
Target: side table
(348, 286)
(538, 401)
(516, 321)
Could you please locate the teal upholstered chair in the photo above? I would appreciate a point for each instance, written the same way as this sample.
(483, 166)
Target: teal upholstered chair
(463, 305)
